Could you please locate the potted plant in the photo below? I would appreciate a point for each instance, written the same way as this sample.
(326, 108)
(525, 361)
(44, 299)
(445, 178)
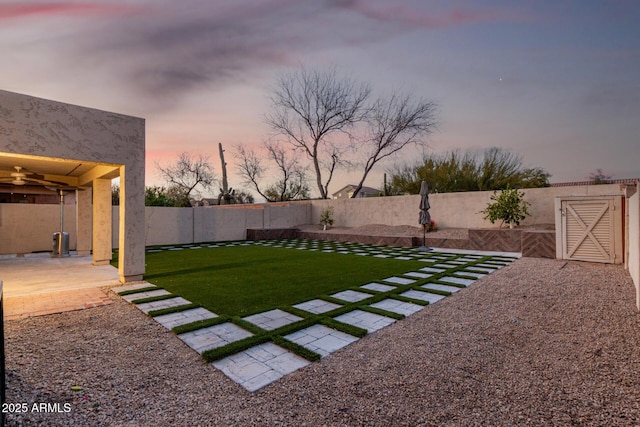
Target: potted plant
(326, 217)
(509, 206)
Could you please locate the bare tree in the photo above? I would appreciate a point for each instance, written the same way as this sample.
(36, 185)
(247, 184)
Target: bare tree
(393, 124)
(315, 111)
(292, 184)
(599, 177)
(187, 174)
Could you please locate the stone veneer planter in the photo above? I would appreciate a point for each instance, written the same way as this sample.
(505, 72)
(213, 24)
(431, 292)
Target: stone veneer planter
(531, 243)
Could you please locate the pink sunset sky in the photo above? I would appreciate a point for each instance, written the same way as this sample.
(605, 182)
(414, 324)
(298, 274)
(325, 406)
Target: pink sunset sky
(555, 82)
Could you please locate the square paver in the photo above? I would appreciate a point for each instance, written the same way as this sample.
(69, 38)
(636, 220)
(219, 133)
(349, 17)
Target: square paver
(212, 337)
(147, 294)
(172, 320)
(480, 269)
(400, 307)
(399, 280)
(378, 287)
(432, 270)
(365, 320)
(273, 319)
(445, 265)
(321, 339)
(260, 365)
(165, 303)
(457, 280)
(423, 296)
(317, 306)
(471, 274)
(351, 296)
(440, 287)
(490, 266)
(417, 274)
(133, 287)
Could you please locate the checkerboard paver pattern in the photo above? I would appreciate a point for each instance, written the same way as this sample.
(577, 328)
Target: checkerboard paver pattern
(262, 364)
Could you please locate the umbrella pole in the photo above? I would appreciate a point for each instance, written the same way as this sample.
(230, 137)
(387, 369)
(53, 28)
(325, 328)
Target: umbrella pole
(424, 235)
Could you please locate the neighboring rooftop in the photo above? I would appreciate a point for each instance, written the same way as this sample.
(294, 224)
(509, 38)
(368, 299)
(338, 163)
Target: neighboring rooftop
(630, 181)
(347, 191)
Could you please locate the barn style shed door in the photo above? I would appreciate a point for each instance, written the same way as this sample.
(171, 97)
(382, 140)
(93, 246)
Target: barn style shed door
(591, 228)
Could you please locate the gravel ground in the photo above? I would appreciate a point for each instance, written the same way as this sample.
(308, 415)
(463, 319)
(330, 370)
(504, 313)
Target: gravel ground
(540, 342)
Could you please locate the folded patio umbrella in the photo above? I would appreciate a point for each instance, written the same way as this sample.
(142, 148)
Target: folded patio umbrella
(425, 217)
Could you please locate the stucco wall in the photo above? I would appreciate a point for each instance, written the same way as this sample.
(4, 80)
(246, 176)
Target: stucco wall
(26, 228)
(214, 223)
(217, 223)
(448, 210)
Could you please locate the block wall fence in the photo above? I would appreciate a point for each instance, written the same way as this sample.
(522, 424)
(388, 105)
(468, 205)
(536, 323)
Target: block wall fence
(29, 228)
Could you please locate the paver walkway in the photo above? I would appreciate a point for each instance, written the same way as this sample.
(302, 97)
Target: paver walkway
(447, 272)
(22, 307)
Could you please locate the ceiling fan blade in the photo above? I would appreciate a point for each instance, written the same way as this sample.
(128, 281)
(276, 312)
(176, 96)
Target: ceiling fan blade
(35, 176)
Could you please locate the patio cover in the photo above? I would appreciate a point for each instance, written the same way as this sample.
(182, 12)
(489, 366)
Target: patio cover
(87, 148)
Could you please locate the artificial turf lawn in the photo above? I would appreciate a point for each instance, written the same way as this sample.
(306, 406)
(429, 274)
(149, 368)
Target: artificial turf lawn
(243, 280)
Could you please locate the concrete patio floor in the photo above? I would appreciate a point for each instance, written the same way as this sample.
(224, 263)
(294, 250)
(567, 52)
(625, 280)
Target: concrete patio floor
(37, 284)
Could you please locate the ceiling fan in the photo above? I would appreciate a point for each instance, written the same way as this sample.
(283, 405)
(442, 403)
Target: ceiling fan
(22, 176)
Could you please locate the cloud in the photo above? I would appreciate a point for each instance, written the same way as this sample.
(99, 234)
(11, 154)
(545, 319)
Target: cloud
(181, 47)
(403, 14)
(175, 48)
(21, 10)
